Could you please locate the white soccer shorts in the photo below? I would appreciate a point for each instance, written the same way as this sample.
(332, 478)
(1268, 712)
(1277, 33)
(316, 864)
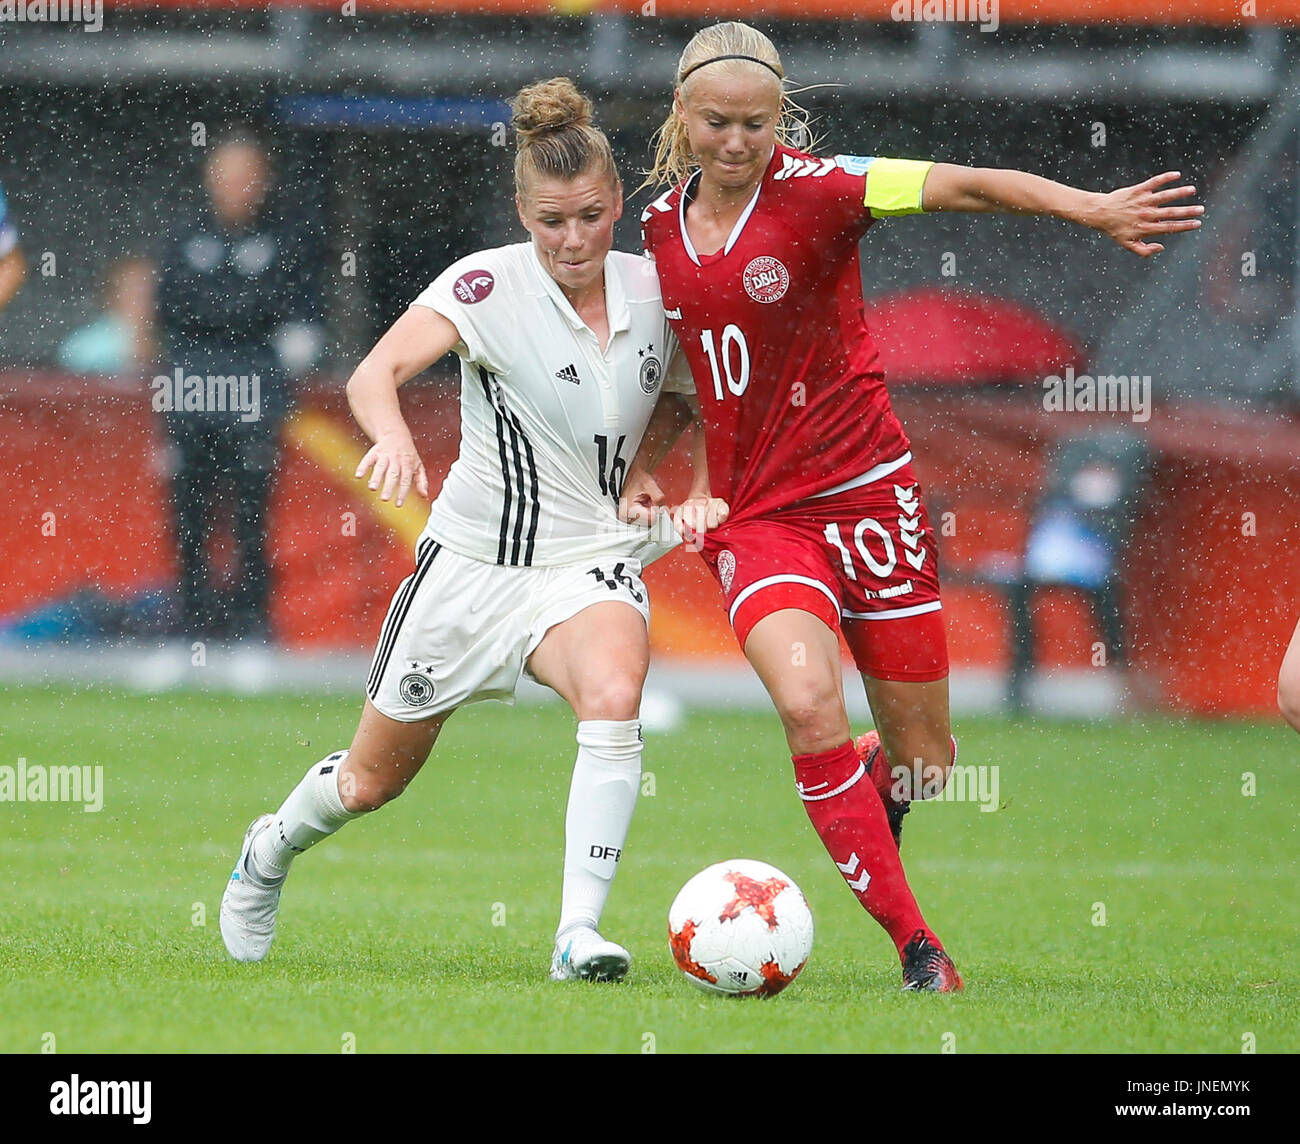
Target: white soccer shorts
(461, 630)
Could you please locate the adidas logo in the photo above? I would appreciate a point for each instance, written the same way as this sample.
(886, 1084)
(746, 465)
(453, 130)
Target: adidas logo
(569, 373)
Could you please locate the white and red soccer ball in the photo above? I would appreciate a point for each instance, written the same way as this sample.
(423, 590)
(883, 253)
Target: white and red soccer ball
(741, 928)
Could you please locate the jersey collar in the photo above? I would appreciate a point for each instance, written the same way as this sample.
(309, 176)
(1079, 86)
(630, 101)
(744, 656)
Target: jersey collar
(688, 192)
(616, 309)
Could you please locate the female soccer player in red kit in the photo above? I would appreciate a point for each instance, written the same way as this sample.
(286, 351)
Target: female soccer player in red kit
(756, 246)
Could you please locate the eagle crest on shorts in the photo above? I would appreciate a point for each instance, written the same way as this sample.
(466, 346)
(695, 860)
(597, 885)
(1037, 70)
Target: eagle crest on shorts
(415, 689)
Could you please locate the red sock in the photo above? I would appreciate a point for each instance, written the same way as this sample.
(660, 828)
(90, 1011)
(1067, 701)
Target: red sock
(850, 819)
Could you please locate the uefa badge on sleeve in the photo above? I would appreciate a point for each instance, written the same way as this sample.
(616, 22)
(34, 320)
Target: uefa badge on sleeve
(473, 287)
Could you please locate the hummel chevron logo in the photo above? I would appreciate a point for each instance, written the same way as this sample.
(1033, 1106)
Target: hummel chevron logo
(569, 373)
(792, 168)
(849, 868)
(909, 525)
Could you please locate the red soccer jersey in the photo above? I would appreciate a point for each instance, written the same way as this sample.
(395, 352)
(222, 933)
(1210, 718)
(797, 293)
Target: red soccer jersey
(791, 392)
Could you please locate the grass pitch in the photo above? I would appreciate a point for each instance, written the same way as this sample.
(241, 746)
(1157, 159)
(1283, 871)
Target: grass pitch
(427, 927)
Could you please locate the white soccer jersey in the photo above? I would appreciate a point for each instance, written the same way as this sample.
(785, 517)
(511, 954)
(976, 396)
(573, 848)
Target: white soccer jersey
(549, 423)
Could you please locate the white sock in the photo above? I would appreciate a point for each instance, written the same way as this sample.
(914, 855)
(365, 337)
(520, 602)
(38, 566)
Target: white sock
(312, 811)
(602, 797)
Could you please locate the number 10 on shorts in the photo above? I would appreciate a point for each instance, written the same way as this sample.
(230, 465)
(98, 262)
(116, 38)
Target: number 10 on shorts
(867, 524)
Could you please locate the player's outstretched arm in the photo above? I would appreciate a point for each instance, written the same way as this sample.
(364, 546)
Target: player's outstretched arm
(413, 343)
(641, 497)
(1129, 215)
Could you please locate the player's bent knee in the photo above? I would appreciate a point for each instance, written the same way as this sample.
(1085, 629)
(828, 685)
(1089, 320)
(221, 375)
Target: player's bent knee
(615, 698)
(812, 715)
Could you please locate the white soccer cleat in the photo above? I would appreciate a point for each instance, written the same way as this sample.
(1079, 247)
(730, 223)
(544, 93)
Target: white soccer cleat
(584, 954)
(248, 906)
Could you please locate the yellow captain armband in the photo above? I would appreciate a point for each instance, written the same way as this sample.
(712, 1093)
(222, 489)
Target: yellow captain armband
(894, 186)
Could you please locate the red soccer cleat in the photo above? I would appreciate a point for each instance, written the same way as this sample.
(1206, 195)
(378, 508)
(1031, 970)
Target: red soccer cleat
(926, 968)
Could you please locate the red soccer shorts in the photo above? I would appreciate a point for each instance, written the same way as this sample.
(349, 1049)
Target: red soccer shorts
(863, 561)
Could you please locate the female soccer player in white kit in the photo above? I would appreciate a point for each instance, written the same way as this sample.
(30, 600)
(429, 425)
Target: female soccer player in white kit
(523, 565)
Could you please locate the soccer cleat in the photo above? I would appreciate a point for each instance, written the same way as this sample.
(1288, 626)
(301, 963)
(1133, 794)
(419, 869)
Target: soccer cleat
(926, 968)
(248, 906)
(870, 752)
(583, 953)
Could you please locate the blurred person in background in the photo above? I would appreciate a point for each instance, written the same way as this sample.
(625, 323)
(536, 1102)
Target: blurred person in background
(1078, 535)
(13, 267)
(234, 301)
(121, 340)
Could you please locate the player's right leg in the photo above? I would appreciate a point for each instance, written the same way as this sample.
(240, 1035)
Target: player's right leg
(385, 755)
(596, 660)
(798, 659)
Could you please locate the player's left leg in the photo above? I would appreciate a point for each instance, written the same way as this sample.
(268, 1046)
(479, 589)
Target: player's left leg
(385, 755)
(596, 660)
(1288, 682)
(902, 655)
(912, 749)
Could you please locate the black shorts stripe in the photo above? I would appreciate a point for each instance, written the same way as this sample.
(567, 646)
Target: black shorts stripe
(427, 550)
(397, 608)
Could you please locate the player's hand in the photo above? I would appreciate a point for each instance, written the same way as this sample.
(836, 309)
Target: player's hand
(394, 466)
(641, 498)
(697, 516)
(1131, 215)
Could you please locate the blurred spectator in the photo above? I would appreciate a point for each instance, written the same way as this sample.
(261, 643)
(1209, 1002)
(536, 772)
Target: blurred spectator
(234, 308)
(121, 339)
(13, 268)
(1076, 537)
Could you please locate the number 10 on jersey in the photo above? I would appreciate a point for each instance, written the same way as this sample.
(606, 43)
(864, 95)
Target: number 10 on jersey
(733, 345)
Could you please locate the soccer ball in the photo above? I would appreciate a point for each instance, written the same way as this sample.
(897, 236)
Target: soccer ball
(741, 928)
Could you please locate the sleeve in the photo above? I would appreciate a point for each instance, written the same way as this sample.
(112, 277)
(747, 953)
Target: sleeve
(473, 296)
(856, 189)
(677, 370)
(8, 232)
